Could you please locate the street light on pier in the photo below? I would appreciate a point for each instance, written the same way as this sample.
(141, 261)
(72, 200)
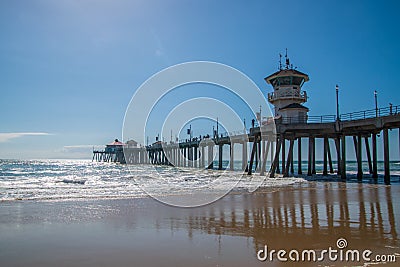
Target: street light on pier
(337, 102)
(376, 103)
(189, 132)
(217, 128)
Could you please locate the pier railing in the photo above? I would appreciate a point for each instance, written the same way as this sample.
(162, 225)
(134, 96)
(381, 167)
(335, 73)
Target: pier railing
(288, 94)
(308, 119)
(371, 113)
(358, 115)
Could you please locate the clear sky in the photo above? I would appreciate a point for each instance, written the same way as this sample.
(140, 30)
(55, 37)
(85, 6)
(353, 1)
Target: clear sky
(69, 68)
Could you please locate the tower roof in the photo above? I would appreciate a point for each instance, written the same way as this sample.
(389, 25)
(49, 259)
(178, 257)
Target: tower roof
(294, 106)
(116, 143)
(287, 72)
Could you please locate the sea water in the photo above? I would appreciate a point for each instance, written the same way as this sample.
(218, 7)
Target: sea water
(84, 179)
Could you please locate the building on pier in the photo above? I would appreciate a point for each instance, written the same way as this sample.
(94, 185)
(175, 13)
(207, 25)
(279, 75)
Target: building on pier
(114, 146)
(287, 96)
(131, 143)
(113, 152)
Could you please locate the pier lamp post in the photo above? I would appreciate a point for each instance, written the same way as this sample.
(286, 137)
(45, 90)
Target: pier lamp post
(337, 102)
(189, 132)
(376, 103)
(217, 128)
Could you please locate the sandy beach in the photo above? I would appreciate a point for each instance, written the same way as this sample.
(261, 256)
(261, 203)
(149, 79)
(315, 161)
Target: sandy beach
(229, 232)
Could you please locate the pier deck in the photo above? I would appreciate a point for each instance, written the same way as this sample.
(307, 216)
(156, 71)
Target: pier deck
(362, 125)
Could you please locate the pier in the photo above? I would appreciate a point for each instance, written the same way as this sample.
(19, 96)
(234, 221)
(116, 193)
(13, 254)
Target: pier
(273, 144)
(361, 127)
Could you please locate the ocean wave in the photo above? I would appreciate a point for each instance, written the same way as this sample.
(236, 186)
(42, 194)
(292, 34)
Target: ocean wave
(68, 181)
(55, 179)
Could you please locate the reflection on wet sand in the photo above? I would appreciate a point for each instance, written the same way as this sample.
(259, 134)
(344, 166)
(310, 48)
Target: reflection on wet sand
(309, 216)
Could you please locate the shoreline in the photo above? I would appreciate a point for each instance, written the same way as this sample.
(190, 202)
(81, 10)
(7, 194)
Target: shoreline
(318, 177)
(228, 232)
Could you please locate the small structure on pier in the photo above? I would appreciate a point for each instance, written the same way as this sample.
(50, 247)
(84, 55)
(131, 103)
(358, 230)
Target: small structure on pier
(288, 96)
(114, 146)
(131, 143)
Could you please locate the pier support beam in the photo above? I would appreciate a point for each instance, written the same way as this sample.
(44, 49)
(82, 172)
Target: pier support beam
(265, 156)
(368, 155)
(190, 158)
(289, 159)
(343, 159)
(291, 156)
(278, 143)
(244, 155)
(309, 171)
(202, 158)
(261, 151)
(338, 157)
(231, 160)
(262, 147)
(164, 157)
(220, 150)
(196, 157)
(359, 158)
(178, 157)
(275, 163)
(299, 171)
(253, 152)
(258, 155)
(272, 150)
(185, 158)
(330, 159)
(313, 156)
(283, 153)
(386, 159)
(374, 158)
(325, 171)
(210, 157)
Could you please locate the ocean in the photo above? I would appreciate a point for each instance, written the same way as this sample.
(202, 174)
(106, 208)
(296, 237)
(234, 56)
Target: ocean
(54, 180)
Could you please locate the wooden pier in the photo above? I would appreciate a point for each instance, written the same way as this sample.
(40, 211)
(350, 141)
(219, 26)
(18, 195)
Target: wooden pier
(105, 156)
(362, 127)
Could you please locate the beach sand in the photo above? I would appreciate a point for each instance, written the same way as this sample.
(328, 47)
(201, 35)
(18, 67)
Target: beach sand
(229, 232)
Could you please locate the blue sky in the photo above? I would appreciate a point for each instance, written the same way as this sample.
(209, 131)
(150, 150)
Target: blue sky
(70, 68)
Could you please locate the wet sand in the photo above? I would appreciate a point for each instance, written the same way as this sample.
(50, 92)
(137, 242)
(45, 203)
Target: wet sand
(229, 232)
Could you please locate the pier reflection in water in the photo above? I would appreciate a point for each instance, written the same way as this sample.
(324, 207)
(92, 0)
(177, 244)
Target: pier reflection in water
(307, 216)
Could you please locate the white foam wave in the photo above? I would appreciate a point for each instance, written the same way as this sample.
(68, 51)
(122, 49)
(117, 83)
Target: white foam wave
(54, 180)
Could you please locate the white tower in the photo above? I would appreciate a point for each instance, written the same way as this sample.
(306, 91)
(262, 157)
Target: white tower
(288, 96)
